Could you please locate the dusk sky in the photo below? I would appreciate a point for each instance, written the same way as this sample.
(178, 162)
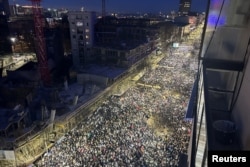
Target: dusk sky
(119, 5)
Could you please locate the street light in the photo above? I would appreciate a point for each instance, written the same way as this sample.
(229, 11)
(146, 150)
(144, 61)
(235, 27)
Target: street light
(13, 41)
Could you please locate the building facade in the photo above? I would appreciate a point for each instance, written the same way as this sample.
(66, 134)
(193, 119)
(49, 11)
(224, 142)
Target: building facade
(123, 41)
(221, 110)
(5, 43)
(82, 35)
(122, 57)
(184, 7)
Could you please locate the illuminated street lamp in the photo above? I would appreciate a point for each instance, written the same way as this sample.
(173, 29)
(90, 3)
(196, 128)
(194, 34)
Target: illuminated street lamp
(13, 41)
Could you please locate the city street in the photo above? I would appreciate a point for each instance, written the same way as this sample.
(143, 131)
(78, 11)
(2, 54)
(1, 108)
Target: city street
(145, 126)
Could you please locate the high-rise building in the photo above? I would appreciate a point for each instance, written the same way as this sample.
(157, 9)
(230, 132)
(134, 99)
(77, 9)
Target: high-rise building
(184, 6)
(221, 111)
(82, 35)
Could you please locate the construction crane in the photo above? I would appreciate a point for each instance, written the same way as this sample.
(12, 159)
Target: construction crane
(40, 43)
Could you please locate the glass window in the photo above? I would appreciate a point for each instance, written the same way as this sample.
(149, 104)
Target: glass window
(221, 80)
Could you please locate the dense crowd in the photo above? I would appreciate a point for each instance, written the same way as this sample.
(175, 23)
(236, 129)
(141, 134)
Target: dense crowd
(145, 127)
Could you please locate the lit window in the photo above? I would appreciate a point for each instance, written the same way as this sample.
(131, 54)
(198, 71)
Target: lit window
(79, 23)
(87, 37)
(87, 30)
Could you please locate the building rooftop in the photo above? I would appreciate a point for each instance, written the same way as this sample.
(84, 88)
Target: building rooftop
(106, 71)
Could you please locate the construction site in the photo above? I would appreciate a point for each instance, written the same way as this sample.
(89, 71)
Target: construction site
(41, 103)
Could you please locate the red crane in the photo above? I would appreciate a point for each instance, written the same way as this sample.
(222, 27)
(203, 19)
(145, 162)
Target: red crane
(40, 42)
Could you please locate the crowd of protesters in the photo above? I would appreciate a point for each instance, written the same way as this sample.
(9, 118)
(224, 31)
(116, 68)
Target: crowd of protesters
(123, 130)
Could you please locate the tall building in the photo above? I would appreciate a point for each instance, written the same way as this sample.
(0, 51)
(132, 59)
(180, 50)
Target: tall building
(222, 109)
(82, 35)
(184, 6)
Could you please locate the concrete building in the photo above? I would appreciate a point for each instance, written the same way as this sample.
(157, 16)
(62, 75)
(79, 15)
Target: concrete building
(122, 42)
(221, 106)
(82, 35)
(184, 7)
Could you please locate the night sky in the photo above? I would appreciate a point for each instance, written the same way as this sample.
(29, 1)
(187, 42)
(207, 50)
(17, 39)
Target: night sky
(123, 6)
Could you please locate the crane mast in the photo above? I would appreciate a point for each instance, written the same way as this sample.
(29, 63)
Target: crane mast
(40, 42)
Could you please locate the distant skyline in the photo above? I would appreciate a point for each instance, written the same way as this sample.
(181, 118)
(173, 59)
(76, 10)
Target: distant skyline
(121, 6)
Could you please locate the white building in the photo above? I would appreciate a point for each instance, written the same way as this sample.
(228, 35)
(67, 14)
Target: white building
(82, 35)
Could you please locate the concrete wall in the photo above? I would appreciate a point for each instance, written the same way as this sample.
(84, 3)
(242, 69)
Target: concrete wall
(100, 80)
(241, 111)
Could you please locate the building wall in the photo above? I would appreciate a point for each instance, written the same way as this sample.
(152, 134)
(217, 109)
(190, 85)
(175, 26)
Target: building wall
(5, 45)
(84, 78)
(123, 33)
(82, 35)
(184, 6)
(109, 56)
(241, 111)
(54, 45)
(226, 39)
(122, 57)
